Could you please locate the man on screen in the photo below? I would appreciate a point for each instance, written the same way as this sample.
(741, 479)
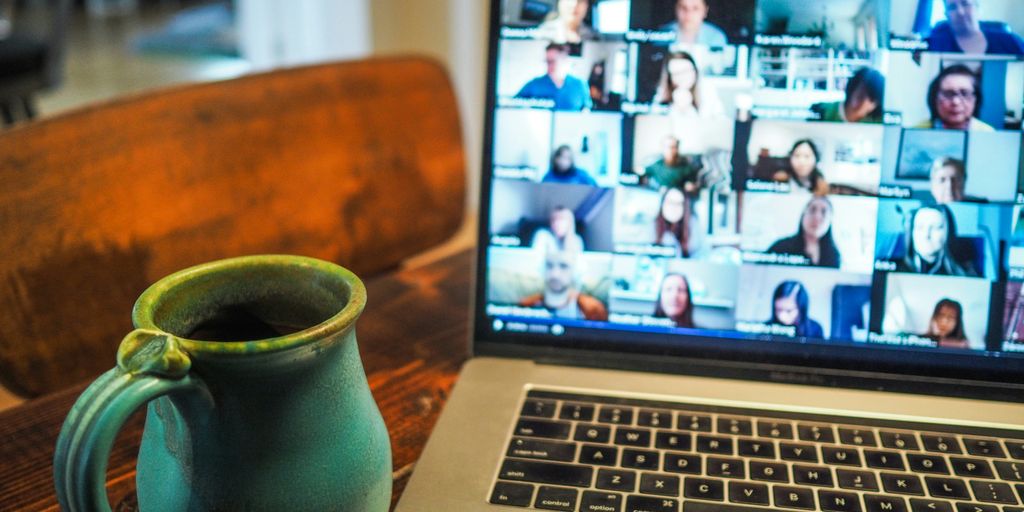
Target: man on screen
(673, 170)
(691, 25)
(567, 91)
(561, 295)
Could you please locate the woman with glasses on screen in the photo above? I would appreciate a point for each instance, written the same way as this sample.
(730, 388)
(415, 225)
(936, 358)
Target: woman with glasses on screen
(813, 239)
(946, 326)
(790, 303)
(932, 245)
(954, 99)
(963, 32)
(675, 301)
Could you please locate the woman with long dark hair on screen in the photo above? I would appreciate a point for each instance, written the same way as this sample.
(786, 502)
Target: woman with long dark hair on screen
(865, 95)
(931, 245)
(673, 224)
(675, 301)
(563, 169)
(801, 170)
(947, 325)
(790, 303)
(813, 239)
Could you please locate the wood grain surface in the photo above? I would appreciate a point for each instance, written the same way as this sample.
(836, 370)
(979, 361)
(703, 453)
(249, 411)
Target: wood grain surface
(359, 163)
(413, 338)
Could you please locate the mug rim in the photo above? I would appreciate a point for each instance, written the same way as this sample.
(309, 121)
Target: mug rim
(146, 305)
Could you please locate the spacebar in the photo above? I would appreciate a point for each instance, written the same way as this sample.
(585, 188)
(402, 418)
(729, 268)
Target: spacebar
(695, 506)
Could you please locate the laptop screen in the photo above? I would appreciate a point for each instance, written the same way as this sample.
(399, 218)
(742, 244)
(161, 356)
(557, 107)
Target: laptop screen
(825, 183)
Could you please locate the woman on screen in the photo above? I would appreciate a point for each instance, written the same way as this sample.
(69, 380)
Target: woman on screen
(947, 179)
(679, 87)
(675, 301)
(963, 32)
(802, 171)
(567, 24)
(947, 325)
(954, 99)
(813, 239)
(932, 243)
(865, 93)
(673, 226)
(560, 235)
(563, 169)
(789, 308)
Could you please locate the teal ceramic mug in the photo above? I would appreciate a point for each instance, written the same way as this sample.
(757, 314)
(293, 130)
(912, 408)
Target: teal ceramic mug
(257, 399)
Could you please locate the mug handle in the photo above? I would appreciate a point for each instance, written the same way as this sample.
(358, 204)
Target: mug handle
(150, 364)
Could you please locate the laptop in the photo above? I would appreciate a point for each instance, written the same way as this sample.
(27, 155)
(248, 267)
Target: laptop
(744, 255)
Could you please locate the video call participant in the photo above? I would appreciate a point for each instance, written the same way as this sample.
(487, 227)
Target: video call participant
(948, 178)
(691, 25)
(962, 32)
(790, 303)
(675, 301)
(813, 238)
(678, 88)
(561, 296)
(931, 245)
(946, 326)
(563, 169)
(566, 24)
(802, 172)
(567, 91)
(560, 235)
(672, 169)
(674, 225)
(954, 98)
(865, 95)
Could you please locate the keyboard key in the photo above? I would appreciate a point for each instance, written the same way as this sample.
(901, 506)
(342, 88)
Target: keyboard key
(769, 472)
(598, 455)
(1020, 491)
(920, 505)
(661, 485)
(941, 444)
(798, 452)
(902, 483)
(633, 437)
(577, 412)
(656, 419)
(877, 503)
(1012, 471)
(512, 494)
(812, 475)
(793, 497)
(714, 444)
(857, 437)
(694, 422)
(993, 492)
(735, 426)
(673, 441)
(742, 492)
(1013, 509)
(840, 455)
(546, 473)
(1015, 449)
(541, 428)
(899, 440)
(651, 504)
(816, 433)
(922, 463)
(696, 506)
(703, 489)
(616, 415)
(971, 467)
(538, 408)
(594, 501)
(616, 480)
(639, 459)
(556, 498)
(544, 450)
(984, 447)
(729, 468)
(775, 429)
(592, 433)
(947, 488)
(857, 480)
(834, 501)
(883, 460)
(756, 448)
(678, 463)
(974, 507)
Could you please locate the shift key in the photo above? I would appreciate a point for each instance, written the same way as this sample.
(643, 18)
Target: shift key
(546, 473)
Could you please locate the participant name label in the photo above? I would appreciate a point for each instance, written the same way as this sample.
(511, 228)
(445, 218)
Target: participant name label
(650, 36)
(905, 340)
(789, 40)
(767, 186)
(513, 102)
(774, 258)
(894, 191)
(763, 328)
(496, 310)
(904, 43)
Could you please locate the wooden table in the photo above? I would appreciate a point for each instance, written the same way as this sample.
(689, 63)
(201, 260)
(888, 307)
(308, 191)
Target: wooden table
(413, 339)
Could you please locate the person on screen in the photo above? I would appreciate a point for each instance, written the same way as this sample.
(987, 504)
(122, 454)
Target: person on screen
(931, 242)
(560, 235)
(963, 32)
(954, 99)
(691, 25)
(567, 91)
(563, 169)
(948, 178)
(813, 239)
(790, 303)
(674, 225)
(802, 171)
(678, 87)
(865, 94)
(946, 326)
(567, 23)
(561, 295)
(675, 301)
(673, 170)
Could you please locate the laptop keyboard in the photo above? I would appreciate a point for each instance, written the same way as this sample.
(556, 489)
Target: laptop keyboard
(607, 454)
